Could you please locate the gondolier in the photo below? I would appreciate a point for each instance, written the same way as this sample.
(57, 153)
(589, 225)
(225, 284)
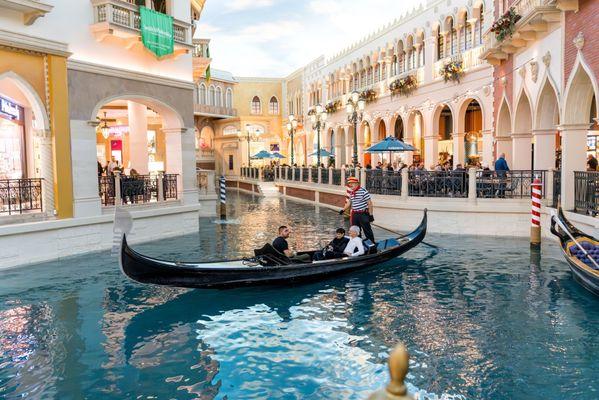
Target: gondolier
(361, 207)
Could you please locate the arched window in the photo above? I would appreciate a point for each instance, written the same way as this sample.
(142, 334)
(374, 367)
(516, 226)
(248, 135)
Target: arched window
(440, 45)
(394, 66)
(454, 37)
(256, 106)
(412, 58)
(481, 22)
(219, 97)
(421, 54)
(273, 106)
(229, 99)
(384, 71)
(212, 93)
(401, 62)
(369, 79)
(202, 94)
(377, 73)
(363, 78)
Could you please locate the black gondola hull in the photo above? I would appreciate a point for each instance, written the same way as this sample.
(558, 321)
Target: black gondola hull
(234, 274)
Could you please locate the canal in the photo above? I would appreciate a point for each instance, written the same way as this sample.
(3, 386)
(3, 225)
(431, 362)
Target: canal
(482, 318)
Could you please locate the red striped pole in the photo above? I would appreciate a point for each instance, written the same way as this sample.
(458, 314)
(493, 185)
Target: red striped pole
(535, 230)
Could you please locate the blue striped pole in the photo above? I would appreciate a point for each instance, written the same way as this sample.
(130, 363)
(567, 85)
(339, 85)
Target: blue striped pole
(223, 197)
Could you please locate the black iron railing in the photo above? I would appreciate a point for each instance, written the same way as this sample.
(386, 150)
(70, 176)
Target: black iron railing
(18, 196)
(169, 186)
(438, 184)
(586, 193)
(383, 182)
(557, 187)
(314, 173)
(507, 184)
(336, 177)
(305, 173)
(107, 192)
(137, 189)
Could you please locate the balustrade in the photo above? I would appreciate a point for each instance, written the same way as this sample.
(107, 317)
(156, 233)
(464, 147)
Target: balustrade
(19, 196)
(138, 189)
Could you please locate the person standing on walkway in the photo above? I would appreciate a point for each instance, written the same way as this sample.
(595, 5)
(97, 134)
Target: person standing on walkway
(358, 199)
(501, 169)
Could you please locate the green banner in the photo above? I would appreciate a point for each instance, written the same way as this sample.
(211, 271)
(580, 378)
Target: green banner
(157, 32)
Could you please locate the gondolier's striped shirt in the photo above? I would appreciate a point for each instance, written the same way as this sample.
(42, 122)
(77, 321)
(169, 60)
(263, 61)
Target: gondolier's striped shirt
(359, 200)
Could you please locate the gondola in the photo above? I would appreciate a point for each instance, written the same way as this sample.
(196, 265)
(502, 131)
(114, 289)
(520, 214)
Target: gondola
(267, 267)
(583, 269)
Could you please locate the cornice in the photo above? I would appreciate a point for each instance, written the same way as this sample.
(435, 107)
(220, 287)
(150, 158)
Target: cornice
(33, 43)
(83, 66)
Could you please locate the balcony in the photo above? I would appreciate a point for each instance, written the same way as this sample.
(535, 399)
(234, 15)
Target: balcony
(537, 16)
(469, 58)
(201, 58)
(214, 111)
(31, 9)
(119, 20)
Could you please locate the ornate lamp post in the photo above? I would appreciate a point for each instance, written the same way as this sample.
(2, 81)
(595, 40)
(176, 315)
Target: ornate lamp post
(291, 128)
(355, 112)
(252, 134)
(318, 119)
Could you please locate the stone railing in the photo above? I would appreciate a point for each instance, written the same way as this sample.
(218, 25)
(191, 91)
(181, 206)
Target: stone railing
(206, 180)
(215, 110)
(125, 14)
(120, 189)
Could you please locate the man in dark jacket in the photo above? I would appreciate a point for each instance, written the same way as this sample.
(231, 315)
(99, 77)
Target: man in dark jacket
(501, 169)
(335, 248)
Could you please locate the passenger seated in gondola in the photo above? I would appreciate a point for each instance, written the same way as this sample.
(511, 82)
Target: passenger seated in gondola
(335, 247)
(354, 247)
(280, 244)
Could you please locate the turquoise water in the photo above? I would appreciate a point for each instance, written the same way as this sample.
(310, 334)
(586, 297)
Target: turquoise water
(482, 318)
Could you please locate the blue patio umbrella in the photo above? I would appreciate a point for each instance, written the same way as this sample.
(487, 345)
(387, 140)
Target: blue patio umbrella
(276, 154)
(261, 155)
(391, 145)
(323, 153)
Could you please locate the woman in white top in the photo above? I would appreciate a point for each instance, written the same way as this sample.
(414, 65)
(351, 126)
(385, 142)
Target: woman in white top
(355, 247)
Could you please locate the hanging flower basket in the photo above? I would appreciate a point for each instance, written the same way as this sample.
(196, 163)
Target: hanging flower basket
(505, 25)
(404, 86)
(452, 71)
(368, 95)
(333, 106)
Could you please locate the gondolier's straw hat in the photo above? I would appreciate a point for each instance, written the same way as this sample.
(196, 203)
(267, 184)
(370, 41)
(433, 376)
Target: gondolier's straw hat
(352, 179)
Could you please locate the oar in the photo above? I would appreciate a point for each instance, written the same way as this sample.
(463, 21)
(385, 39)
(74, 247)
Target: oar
(561, 225)
(402, 235)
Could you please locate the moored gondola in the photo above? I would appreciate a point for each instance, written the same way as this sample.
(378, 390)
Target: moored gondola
(264, 268)
(580, 250)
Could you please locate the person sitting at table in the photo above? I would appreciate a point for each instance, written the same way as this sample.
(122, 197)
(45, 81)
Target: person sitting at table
(354, 247)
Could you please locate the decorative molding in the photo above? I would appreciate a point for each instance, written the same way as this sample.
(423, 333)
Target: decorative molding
(83, 66)
(534, 71)
(522, 71)
(579, 41)
(547, 59)
(31, 9)
(35, 44)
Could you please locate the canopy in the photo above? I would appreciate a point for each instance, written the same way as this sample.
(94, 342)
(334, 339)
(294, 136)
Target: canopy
(276, 154)
(323, 153)
(390, 144)
(262, 155)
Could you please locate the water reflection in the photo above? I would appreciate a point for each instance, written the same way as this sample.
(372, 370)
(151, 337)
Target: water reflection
(482, 318)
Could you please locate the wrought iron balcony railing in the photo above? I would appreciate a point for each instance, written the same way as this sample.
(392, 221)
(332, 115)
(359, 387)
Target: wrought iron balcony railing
(20, 196)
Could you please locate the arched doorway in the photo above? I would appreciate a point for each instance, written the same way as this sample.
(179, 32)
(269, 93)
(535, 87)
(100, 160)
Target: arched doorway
(26, 151)
(398, 130)
(366, 134)
(416, 136)
(502, 134)
(522, 135)
(545, 135)
(473, 138)
(444, 129)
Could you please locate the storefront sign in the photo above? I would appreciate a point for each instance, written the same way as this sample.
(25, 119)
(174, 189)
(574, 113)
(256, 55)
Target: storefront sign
(118, 130)
(10, 109)
(157, 32)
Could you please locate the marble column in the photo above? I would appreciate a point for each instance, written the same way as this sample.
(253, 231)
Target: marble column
(138, 137)
(180, 159)
(44, 140)
(86, 195)
(574, 145)
(487, 158)
(459, 149)
(544, 156)
(431, 150)
(521, 151)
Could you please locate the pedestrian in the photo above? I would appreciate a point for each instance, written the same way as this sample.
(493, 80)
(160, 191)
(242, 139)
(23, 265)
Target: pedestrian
(501, 169)
(361, 207)
(592, 163)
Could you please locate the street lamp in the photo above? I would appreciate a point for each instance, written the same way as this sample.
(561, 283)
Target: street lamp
(355, 111)
(252, 135)
(318, 119)
(291, 128)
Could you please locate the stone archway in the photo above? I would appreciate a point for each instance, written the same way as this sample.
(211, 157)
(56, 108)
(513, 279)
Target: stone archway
(522, 134)
(545, 128)
(415, 137)
(398, 128)
(503, 133)
(440, 142)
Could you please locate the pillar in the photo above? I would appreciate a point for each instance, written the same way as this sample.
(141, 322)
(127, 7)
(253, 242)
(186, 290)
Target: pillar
(86, 194)
(544, 156)
(521, 151)
(574, 144)
(504, 146)
(44, 139)
(431, 150)
(138, 137)
(459, 149)
(180, 159)
(488, 159)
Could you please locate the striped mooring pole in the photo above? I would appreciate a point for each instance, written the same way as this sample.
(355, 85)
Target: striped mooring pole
(223, 197)
(535, 229)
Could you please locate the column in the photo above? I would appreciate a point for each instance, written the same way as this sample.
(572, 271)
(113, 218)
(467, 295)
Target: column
(487, 158)
(86, 194)
(138, 137)
(180, 159)
(459, 149)
(44, 139)
(521, 151)
(574, 145)
(349, 146)
(431, 150)
(544, 156)
(504, 146)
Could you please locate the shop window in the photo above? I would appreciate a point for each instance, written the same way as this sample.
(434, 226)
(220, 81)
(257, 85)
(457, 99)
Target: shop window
(12, 141)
